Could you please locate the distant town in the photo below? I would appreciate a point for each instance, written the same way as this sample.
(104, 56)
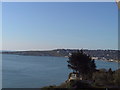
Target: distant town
(107, 55)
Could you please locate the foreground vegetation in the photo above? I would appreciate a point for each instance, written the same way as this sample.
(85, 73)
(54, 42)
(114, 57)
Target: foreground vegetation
(109, 79)
(85, 74)
(100, 79)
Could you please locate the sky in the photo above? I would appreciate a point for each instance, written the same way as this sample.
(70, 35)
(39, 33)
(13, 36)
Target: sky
(53, 25)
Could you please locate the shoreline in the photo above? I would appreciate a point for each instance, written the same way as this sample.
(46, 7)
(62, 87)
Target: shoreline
(95, 58)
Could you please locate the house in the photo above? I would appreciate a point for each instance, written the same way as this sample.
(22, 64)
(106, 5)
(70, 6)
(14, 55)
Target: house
(74, 76)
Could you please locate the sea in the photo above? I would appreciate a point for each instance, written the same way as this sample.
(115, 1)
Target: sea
(20, 71)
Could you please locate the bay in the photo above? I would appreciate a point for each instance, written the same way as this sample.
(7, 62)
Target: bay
(38, 71)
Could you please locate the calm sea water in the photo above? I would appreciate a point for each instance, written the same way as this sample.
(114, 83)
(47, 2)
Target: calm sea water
(38, 71)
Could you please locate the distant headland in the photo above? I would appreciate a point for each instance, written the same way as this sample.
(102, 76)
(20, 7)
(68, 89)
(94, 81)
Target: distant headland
(108, 55)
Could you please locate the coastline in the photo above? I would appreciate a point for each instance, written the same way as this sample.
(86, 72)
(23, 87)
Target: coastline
(95, 58)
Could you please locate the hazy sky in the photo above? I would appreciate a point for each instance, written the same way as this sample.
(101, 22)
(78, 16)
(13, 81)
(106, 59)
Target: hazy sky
(42, 26)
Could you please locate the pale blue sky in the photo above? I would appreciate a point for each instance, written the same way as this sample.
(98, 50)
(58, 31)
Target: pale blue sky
(42, 26)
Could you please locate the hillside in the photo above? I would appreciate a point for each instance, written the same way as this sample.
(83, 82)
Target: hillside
(97, 54)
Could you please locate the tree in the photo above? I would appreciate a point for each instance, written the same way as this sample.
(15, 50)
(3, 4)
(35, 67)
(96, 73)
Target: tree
(81, 63)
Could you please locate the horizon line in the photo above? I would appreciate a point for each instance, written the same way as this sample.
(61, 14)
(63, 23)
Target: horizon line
(59, 49)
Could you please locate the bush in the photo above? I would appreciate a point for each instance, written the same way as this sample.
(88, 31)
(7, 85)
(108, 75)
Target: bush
(107, 78)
